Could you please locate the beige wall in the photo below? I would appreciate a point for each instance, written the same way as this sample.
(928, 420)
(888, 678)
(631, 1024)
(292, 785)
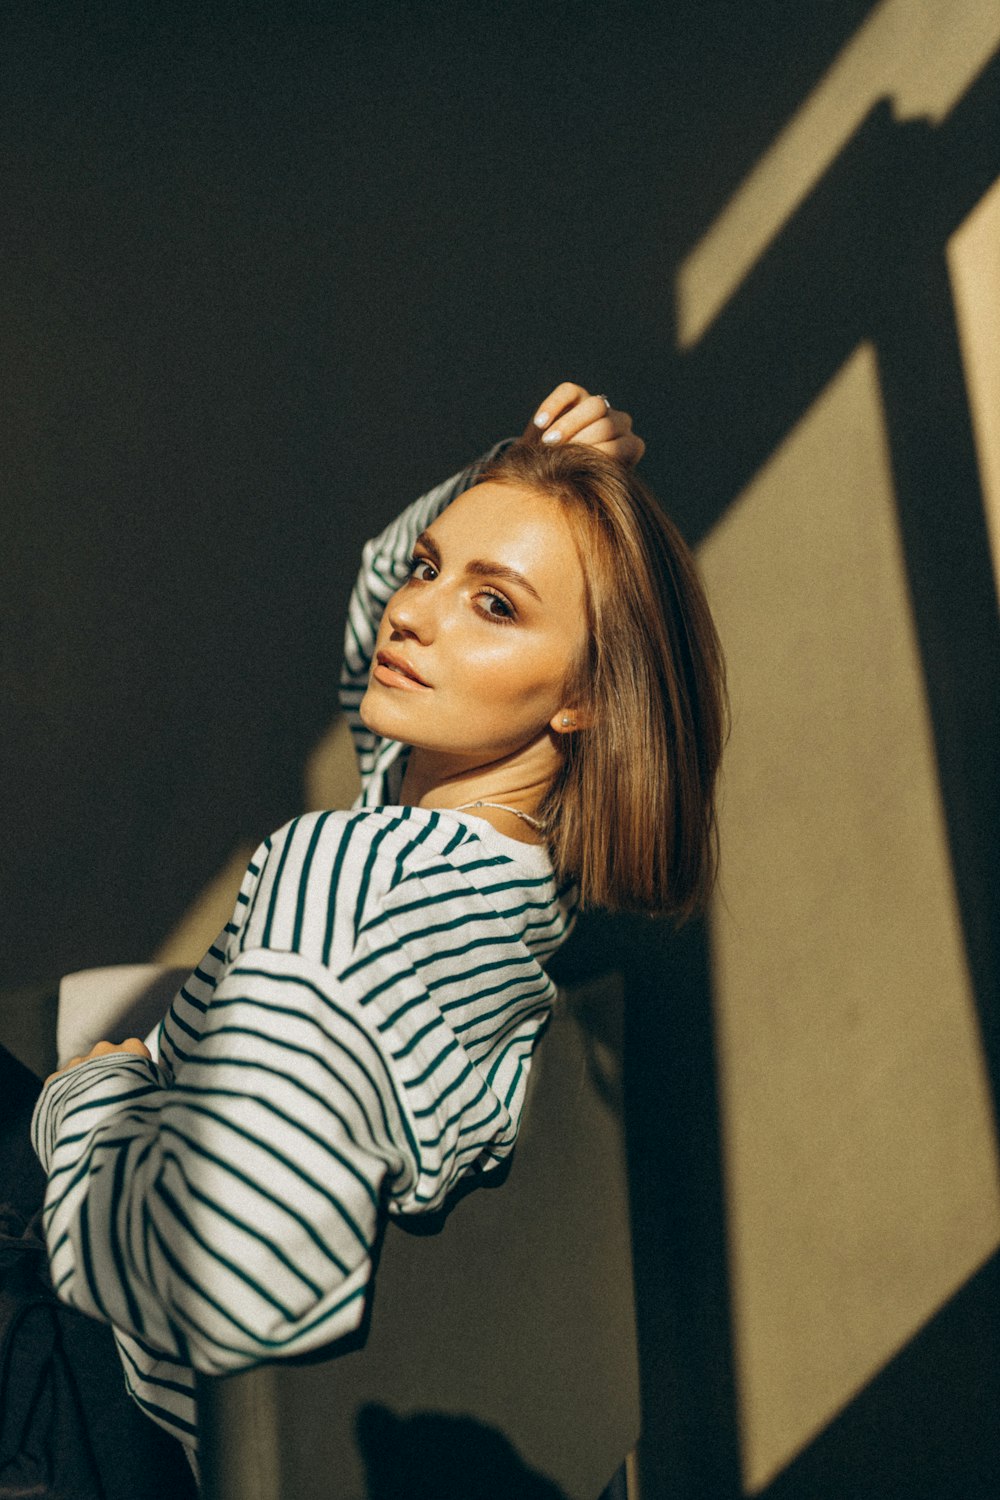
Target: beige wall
(330, 779)
(860, 1141)
(974, 265)
(860, 1152)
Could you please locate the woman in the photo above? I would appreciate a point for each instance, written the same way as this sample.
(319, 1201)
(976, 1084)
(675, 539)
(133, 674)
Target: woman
(534, 684)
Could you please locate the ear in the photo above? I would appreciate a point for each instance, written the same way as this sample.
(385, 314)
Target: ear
(570, 718)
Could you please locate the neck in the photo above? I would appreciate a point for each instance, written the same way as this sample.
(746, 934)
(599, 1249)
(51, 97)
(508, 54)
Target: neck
(517, 781)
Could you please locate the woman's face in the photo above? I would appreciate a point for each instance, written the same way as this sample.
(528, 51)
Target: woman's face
(475, 650)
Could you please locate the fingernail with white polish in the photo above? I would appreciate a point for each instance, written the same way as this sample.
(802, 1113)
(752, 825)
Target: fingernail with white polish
(541, 419)
(552, 436)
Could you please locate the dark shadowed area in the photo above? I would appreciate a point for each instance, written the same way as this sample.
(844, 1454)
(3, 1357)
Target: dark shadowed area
(264, 279)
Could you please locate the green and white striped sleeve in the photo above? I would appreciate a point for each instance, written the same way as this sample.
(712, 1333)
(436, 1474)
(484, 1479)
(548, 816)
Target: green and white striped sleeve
(364, 1041)
(229, 1217)
(359, 1037)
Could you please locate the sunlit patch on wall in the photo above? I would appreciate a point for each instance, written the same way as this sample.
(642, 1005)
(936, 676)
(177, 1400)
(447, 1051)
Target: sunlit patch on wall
(974, 265)
(329, 779)
(861, 1161)
(923, 54)
(207, 915)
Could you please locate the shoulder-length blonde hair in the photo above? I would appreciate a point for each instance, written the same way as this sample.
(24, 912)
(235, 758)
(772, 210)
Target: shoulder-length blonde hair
(631, 814)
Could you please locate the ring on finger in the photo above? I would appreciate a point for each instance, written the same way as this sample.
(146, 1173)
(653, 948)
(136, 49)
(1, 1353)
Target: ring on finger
(607, 403)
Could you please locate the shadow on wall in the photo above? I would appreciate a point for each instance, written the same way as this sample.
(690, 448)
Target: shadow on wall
(861, 260)
(864, 259)
(432, 1457)
(925, 1427)
(269, 277)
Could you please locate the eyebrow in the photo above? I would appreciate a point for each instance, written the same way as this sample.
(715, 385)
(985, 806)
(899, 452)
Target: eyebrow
(480, 567)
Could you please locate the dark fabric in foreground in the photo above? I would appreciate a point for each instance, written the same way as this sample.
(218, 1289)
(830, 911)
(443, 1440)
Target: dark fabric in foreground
(68, 1428)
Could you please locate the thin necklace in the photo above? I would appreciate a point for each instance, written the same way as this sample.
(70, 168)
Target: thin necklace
(525, 817)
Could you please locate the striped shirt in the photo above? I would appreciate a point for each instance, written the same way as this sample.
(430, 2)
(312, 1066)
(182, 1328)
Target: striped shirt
(356, 1039)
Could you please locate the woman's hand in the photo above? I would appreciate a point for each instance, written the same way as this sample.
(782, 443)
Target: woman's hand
(571, 415)
(101, 1049)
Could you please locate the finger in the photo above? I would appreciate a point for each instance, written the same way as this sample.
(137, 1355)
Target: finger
(627, 449)
(574, 419)
(134, 1044)
(64, 1069)
(609, 425)
(558, 401)
(102, 1049)
(604, 430)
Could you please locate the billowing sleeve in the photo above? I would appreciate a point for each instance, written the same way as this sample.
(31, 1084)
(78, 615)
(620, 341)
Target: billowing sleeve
(359, 1039)
(385, 563)
(229, 1217)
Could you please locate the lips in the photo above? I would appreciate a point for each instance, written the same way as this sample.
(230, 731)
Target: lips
(400, 665)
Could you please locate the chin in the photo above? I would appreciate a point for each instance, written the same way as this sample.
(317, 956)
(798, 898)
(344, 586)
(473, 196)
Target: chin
(385, 719)
(371, 718)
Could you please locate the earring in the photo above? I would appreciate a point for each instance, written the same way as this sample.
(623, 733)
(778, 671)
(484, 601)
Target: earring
(568, 722)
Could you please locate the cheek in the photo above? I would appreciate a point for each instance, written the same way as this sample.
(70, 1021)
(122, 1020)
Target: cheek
(517, 677)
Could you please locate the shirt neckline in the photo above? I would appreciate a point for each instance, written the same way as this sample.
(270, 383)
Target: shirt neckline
(534, 854)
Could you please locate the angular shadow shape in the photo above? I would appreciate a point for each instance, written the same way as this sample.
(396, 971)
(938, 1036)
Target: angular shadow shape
(925, 1428)
(429, 1456)
(862, 258)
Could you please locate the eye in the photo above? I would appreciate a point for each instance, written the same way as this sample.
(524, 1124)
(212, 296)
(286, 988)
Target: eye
(419, 563)
(495, 607)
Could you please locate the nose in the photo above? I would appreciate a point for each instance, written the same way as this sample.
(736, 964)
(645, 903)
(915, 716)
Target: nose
(411, 613)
